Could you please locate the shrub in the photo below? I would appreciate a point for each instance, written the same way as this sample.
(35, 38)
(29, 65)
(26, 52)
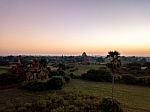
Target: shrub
(55, 83)
(68, 102)
(61, 73)
(35, 86)
(53, 73)
(72, 108)
(8, 79)
(129, 79)
(56, 73)
(61, 66)
(67, 79)
(39, 106)
(72, 70)
(75, 76)
(109, 105)
(144, 81)
(103, 75)
(134, 66)
(71, 75)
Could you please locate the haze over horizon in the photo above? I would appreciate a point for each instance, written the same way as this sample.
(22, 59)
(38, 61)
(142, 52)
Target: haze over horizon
(70, 27)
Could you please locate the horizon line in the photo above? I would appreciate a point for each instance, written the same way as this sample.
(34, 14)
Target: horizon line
(94, 55)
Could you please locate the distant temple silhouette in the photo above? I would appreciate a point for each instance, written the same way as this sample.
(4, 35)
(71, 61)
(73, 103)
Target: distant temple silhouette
(85, 59)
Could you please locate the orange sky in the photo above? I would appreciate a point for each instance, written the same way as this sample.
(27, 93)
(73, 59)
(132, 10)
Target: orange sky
(72, 27)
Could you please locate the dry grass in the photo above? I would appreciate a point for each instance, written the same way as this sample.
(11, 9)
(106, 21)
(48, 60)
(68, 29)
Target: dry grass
(133, 98)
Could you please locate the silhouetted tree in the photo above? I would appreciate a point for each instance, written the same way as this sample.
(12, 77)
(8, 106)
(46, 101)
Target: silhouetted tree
(114, 63)
(43, 62)
(61, 66)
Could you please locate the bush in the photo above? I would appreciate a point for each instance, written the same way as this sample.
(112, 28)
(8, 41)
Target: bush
(144, 81)
(67, 79)
(35, 86)
(109, 105)
(54, 102)
(103, 75)
(129, 79)
(55, 83)
(75, 76)
(8, 79)
(61, 73)
(53, 73)
(61, 66)
(72, 101)
(56, 73)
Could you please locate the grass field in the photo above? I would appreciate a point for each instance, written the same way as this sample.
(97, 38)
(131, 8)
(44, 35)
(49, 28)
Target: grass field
(4, 69)
(133, 98)
(84, 68)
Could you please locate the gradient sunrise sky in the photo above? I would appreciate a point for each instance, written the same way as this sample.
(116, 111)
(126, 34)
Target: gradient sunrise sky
(69, 27)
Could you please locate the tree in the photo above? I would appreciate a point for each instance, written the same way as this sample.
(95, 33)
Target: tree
(43, 62)
(61, 66)
(114, 63)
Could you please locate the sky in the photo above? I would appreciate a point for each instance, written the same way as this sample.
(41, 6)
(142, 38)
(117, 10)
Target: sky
(70, 27)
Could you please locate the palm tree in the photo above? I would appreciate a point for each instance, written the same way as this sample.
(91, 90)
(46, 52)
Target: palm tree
(114, 63)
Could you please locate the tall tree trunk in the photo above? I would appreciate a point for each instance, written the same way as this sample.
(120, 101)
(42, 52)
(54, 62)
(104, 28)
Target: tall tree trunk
(113, 84)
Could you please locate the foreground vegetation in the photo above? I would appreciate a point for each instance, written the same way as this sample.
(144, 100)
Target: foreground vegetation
(132, 98)
(77, 95)
(3, 69)
(67, 102)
